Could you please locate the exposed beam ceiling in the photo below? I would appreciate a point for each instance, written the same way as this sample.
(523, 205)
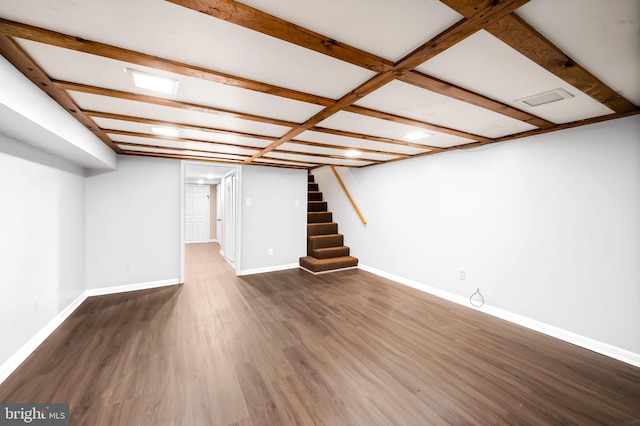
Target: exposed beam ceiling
(281, 123)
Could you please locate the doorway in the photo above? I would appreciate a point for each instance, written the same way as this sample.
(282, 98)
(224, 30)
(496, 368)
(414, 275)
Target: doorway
(203, 218)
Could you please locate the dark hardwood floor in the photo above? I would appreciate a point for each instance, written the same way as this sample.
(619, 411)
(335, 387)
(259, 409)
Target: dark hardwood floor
(292, 348)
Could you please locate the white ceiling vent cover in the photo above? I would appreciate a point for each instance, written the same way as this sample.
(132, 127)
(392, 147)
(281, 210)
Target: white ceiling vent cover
(546, 97)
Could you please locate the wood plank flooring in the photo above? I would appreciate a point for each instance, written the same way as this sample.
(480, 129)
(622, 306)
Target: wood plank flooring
(290, 348)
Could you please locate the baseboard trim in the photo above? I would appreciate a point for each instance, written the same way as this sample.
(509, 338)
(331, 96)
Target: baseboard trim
(10, 365)
(32, 344)
(131, 287)
(327, 272)
(268, 269)
(606, 349)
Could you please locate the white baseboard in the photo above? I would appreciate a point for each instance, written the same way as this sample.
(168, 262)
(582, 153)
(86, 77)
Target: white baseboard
(32, 344)
(130, 287)
(268, 269)
(606, 349)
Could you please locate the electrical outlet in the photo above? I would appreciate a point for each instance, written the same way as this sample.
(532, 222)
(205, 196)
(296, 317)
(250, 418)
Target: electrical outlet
(127, 266)
(463, 275)
(36, 304)
(270, 252)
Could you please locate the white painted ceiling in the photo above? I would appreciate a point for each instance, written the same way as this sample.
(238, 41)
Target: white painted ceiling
(204, 174)
(474, 96)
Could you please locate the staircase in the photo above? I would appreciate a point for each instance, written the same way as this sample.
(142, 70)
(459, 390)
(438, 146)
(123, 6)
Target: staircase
(325, 246)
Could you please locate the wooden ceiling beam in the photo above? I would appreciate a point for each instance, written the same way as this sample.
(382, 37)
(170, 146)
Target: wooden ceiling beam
(179, 157)
(273, 162)
(433, 84)
(334, 156)
(28, 32)
(140, 145)
(144, 145)
(514, 31)
(23, 62)
(65, 85)
(355, 135)
(345, 148)
(148, 121)
(411, 122)
(254, 19)
(178, 139)
(269, 156)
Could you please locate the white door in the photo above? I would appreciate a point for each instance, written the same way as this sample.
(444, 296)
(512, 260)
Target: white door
(197, 214)
(229, 217)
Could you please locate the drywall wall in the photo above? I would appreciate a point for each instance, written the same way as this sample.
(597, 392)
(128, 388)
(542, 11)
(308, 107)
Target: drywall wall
(274, 215)
(547, 226)
(42, 251)
(29, 115)
(133, 223)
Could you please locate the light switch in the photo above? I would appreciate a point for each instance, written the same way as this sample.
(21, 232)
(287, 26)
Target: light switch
(248, 202)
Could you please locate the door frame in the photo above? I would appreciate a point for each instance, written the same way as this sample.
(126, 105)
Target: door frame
(235, 194)
(238, 215)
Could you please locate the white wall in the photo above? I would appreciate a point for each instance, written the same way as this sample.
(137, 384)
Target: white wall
(133, 216)
(41, 241)
(548, 227)
(275, 219)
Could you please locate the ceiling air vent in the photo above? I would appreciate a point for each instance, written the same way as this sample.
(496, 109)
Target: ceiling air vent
(546, 97)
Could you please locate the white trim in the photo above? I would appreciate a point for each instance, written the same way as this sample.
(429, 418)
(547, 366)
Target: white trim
(214, 241)
(328, 271)
(131, 287)
(32, 344)
(606, 349)
(10, 365)
(182, 219)
(268, 269)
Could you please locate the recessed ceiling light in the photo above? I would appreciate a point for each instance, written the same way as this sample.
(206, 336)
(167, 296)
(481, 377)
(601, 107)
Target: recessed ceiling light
(416, 136)
(546, 97)
(353, 153)
(155, 83)
(165, 131)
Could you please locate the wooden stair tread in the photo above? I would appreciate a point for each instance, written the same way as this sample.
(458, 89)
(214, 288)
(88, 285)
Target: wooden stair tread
(322, 265)
(322, 228)
(316, 206)
(319, 217)
(328, 252)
